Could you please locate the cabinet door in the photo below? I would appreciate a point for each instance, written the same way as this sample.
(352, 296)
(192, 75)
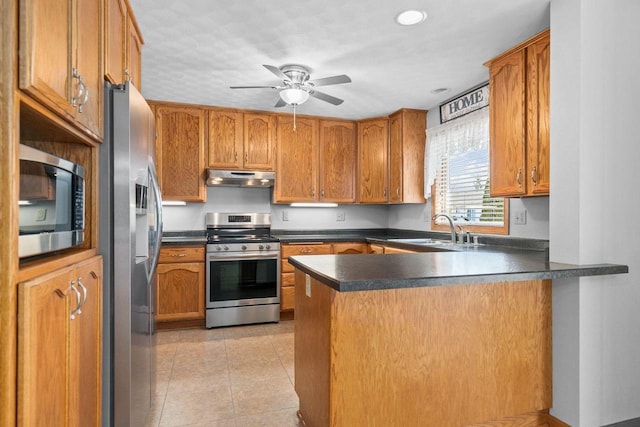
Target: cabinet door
(225, 139)
(395, 158)
(45, 52)
(86, 345)
(44, 374)
(507, 125)
(538, 66)
(297, 160)
(180, 153)
(373, 142)
(133, 68)
(180, 294)
(349, 248)
(337, 162)
(115, 26)
(88, 64)
(259, 141)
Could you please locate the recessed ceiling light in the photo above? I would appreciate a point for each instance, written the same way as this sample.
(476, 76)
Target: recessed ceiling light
(440, 90)
(411, 17)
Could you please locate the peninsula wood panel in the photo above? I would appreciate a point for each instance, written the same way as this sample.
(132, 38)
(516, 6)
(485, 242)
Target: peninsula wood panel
(297, 160)
(180, 150)
(225, 139)
(432, 356)
(507, 125)
(373, 172)
(538, 73)
(338, 151)
(259, 141)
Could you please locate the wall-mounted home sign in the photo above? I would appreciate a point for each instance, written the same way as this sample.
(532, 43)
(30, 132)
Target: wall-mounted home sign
(470, 101)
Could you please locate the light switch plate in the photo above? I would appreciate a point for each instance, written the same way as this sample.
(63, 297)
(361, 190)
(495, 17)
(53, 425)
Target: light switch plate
(285, 215)
(41, 214)
(520, 217)
(341, 216)
(307, 285)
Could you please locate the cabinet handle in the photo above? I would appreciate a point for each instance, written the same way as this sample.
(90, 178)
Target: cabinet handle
(78, 300)
(322, 193)
(313, 193)
(246, 157)
(384, 193)
(518, 177)
(398, 192)
(236, 157)
(534, 175)
(84, 295)
(179, 255)
(127, 76)
(82, 91)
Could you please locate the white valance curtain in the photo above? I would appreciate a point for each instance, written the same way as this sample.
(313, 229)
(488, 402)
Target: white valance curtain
(453, 140)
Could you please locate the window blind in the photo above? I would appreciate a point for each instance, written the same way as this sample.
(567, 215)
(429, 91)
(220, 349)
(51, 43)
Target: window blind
(457, 166)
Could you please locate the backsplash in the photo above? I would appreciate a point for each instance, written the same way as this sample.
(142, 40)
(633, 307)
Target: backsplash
(406, 217)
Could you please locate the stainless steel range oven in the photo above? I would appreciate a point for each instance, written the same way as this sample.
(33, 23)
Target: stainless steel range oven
(242, 270)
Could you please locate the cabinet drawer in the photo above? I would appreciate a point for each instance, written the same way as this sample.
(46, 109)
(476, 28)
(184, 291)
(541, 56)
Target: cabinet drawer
(181, 254)
(310, 249)
(287, 298)
(349, 248)
(286, 267)
(288, 279)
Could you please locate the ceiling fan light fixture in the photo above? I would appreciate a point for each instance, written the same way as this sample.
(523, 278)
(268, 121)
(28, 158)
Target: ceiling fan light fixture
(411, 17)
(294, 96)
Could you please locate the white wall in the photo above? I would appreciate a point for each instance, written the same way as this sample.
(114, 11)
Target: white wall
(594, 168)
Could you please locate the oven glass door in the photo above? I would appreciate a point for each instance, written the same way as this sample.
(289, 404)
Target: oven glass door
(242, 280)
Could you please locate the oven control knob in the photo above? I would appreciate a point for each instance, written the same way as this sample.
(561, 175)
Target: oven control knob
(218, 248)
(261, 247)
(268, 246)
(226, 248)
(244, 247)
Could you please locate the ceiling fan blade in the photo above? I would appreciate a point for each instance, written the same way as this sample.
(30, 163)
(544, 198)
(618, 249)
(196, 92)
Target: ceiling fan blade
(277, 72)
(253, 87)
(333, 80)
(324, 97)
(280, 103)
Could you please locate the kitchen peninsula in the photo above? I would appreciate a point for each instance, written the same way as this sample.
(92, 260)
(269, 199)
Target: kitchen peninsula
(427, 339)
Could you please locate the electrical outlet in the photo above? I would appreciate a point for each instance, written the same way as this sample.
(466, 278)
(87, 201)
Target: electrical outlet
(520, 217)
(341, 216)
(425, 217)
(41, 214)
(285, 215)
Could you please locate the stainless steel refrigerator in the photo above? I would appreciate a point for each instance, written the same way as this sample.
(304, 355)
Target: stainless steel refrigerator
(130, 231)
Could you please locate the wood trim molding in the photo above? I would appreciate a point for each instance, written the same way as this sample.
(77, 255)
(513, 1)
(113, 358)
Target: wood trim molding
(531, 40)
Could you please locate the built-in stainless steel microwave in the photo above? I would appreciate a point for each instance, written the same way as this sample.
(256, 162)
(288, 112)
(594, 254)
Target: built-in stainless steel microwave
(51, 205)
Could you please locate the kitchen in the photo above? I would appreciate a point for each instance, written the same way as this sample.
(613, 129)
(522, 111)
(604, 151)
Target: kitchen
(595, 382)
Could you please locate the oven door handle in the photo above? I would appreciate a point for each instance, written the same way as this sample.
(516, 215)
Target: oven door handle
(227, 257)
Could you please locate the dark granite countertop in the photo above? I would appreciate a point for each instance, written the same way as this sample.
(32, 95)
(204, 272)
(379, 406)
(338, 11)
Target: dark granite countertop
(347, 273)
(174, 238)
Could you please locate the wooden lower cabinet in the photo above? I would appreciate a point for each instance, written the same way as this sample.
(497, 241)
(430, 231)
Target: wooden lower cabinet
(287, 277)
(60, 347)
(392, 250)
(180, 286)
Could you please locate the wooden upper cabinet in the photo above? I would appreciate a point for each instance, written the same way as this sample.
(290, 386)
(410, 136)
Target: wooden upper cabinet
(115, 29)
(59, 62)
(225, 139)
(133, 69)
(519, 119)
(180, 152)
(407, 140)
(338, 152)
(243, 141)
(259, 141)
(373, 144)
(538, 71)
(297, 159)
(122, 44)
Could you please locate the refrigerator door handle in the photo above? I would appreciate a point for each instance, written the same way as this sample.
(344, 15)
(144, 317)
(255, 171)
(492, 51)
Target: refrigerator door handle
(158, 197)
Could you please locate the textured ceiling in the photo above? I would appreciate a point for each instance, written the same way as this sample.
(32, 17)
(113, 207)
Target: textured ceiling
(195, 49)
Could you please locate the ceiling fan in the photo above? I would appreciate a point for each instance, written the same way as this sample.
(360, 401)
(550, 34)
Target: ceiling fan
(297, 87)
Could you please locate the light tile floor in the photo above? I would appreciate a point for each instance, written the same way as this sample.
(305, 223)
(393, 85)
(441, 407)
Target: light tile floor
(227, 377)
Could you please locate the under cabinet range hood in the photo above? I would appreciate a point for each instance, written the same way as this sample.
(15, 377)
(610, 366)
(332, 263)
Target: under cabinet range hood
(250, 179)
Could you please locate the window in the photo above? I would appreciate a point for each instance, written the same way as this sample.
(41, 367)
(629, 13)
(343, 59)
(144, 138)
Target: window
(458, 176)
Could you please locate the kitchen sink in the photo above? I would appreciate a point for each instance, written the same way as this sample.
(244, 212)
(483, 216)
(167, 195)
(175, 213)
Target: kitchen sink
(423, 241)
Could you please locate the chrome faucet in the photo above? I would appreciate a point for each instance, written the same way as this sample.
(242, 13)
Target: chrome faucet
(453, 229)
